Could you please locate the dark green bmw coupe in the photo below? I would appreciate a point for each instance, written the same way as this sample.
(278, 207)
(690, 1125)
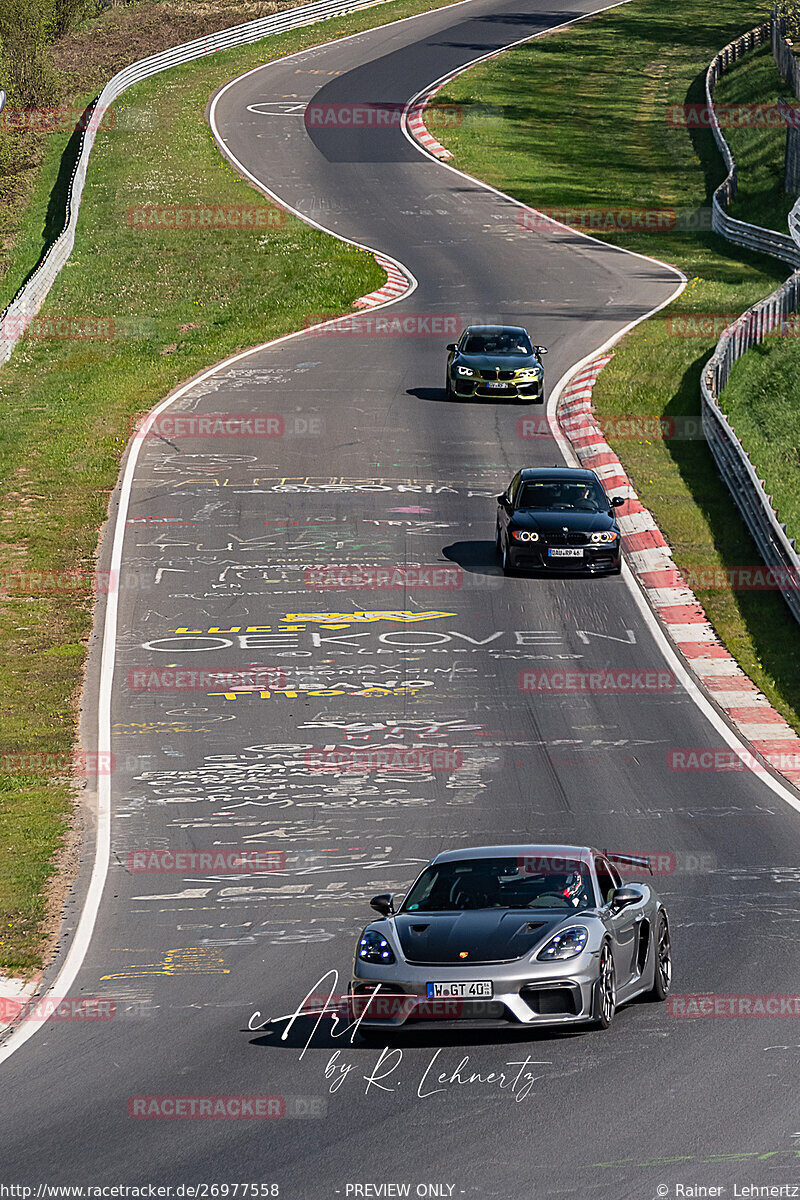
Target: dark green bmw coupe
(495, 362)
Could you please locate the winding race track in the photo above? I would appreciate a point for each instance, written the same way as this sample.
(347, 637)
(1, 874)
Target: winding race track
(376, 468)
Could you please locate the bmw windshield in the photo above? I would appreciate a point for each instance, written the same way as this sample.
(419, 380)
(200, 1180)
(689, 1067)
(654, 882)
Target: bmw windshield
(501, 883)
(497, 343)
(562, 495)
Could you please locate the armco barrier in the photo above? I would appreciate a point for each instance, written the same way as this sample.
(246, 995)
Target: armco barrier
(733, 461)
(31, 296)
(765, 241)
(782, 53)
(774, 545)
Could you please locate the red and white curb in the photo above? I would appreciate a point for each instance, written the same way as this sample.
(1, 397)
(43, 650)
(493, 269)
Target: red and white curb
(676, 605)
(420, 132)
(396, 285)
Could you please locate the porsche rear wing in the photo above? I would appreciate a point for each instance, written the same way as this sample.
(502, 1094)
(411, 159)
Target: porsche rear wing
(629, 860)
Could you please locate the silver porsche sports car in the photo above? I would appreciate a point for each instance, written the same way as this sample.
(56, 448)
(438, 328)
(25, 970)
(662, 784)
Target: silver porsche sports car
(531, 935)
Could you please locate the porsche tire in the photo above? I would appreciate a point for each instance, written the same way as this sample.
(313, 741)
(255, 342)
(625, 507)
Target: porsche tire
(662, 962)
(605, 990)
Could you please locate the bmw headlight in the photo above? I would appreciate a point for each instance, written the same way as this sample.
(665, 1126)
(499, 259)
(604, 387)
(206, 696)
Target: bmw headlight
(468, 371)
(374, 948)
(566, 944)
(530, 373)
(524, 535)
(606, 536)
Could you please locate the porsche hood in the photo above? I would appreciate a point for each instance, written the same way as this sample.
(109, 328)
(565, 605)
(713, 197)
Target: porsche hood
(479, 936)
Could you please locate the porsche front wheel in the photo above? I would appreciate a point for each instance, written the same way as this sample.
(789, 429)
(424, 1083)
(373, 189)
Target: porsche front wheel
(662, 967)
(605, 991)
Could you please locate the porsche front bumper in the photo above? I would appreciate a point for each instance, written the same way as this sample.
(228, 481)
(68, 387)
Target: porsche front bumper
(525, 992)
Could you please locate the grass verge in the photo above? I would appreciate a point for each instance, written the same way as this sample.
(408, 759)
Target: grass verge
(568, 122)
(180, 301)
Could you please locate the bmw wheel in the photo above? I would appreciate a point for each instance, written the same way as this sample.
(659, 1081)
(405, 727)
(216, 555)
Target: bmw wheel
(505, 561)
(662, 971)
(605, 993)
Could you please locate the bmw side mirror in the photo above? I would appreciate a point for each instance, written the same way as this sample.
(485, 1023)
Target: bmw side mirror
(502, 500)
(541, 349)
(616, 501)
(623, 896)
(382, 904)
(451, 346)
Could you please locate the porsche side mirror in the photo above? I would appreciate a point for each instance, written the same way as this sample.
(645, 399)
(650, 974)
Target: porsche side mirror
(616, 501)
(382, 904)
(451, 346)
(623, 896)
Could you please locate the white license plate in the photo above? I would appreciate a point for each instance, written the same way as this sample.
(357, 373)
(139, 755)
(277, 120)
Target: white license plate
(481, 989)
(496, 383)
(559, 552)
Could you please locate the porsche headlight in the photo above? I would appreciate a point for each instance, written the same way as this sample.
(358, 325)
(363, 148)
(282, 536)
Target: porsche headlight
(468, 371)
(566, 944)
(374, 948)
(524, 535)
(606, 536)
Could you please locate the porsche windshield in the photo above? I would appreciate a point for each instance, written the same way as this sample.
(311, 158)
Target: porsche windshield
(502, 883)
(562, 495)
(502, 342)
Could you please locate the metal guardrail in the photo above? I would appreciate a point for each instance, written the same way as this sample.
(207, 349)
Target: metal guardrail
(765, 241)
(794, 223)
(767, 316)
(30, 297)
(782, 53)
(748, 491)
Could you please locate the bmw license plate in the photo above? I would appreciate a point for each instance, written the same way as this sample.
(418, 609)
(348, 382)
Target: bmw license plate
(565, 552)
(481, 989)
(496, 383)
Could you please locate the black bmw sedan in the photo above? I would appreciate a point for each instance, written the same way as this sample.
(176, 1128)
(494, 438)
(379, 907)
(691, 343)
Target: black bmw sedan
(558, 518)
(495, 362)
